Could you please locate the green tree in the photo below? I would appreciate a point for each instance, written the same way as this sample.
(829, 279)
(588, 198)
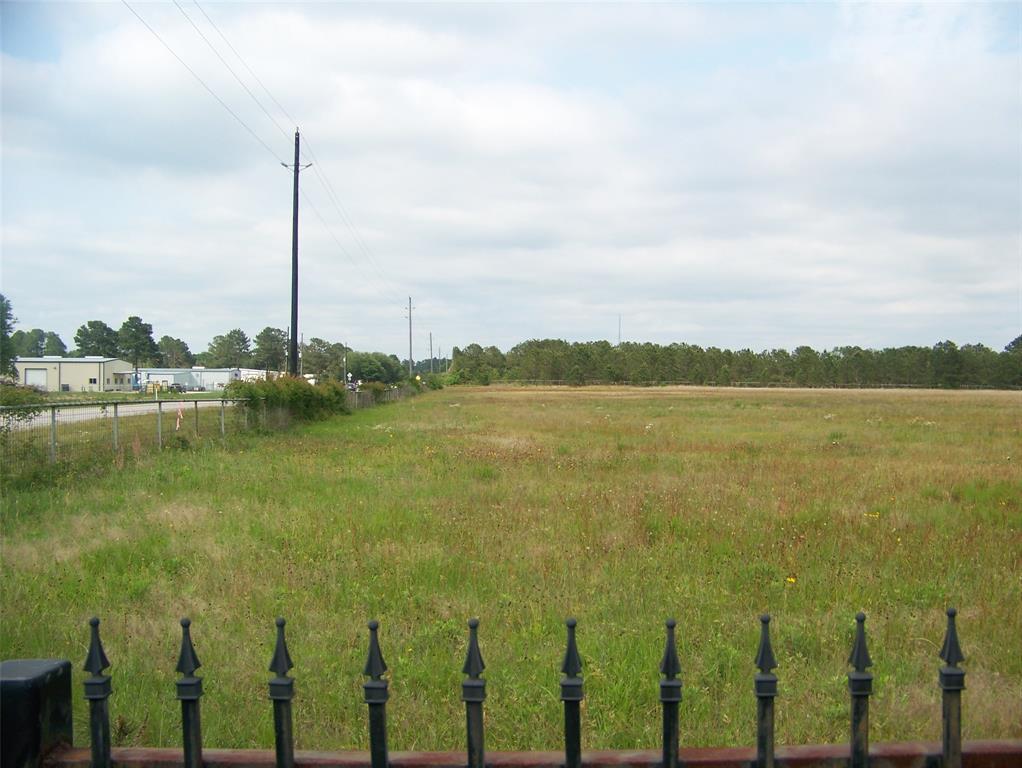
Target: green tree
(175, 353)
(325, 359)
(270, 351)
(231, 350)
(96, 338)
(54, 345)
(947, 364)
(7, 321)
(29, 343)
(135, 342)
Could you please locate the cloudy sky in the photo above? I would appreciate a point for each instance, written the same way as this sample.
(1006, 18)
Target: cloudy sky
(739, 175)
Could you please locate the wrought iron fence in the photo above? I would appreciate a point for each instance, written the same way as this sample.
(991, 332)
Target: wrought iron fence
(281, 690)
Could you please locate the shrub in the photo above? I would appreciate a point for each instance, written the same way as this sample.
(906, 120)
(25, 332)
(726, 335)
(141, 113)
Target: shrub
(376, 387)
(301, 400)
(24, 404)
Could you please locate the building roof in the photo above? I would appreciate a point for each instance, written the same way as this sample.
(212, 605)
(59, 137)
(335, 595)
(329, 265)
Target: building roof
(59, 359)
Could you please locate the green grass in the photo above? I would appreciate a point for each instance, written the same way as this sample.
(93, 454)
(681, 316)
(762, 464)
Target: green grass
(522, 506)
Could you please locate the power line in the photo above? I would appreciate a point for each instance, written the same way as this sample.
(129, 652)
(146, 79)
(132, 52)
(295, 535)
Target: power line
(247, 67)
(382, 286)
(229, 69)
(369, 279)
(323, 180)
(203, 83)
(347, 221)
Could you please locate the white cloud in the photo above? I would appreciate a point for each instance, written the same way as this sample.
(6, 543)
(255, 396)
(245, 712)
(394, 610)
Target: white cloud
(738, 176)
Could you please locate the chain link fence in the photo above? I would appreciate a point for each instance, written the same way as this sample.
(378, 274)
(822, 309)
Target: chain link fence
(36, 438)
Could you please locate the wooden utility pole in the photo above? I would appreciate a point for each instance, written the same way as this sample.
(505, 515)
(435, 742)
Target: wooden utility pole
(292, 352)
(409, 337)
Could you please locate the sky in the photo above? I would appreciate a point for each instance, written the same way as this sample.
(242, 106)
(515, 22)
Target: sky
(740, 175)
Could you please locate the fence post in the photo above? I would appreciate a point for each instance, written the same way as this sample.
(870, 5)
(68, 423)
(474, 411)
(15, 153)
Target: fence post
(196, 418)
(572, 693)
(223, 405)
(282, 690)
(159, 424)
(952, 683)
(116, 441)
(376, 696)
(670, 697)
(53, 434)
(766, 690)
(189, 689)
(97, 693)
(473, 693)
(860, 685)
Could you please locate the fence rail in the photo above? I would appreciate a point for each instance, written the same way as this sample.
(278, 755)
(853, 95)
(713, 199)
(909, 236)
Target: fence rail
(22, 748)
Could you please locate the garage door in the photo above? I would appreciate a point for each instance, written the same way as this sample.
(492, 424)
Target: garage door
(35, 377)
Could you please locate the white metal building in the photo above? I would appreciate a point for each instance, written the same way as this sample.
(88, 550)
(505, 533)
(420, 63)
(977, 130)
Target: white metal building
(199, 378)
(74, 374)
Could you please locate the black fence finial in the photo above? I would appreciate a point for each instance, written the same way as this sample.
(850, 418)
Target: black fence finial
(669, 664)
(281, 662)
(572, 664)
(765, 660)
(474, 665)
(859, 657)
(187, 661)
(96, 660)
(375, 665)
(951, 652)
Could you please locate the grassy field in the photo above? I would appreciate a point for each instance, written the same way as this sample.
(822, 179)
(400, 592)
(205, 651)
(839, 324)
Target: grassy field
(522, 506)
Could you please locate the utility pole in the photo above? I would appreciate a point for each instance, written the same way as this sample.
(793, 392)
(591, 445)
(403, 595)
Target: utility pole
(409, 337)
(619, 329)
(292, 352)
(431, 351)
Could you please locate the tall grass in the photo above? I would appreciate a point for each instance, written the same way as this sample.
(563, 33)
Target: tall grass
(523, 506)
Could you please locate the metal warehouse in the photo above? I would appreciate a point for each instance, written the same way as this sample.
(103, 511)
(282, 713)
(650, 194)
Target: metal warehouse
(74, 374)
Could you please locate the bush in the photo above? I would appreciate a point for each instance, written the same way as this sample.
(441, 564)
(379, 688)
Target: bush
(376, 387)
(296, 396)
(25, 403)
(435, 381)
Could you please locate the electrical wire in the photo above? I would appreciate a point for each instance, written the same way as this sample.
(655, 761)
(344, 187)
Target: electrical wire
(320, 175)
(368, 278)
(244, 63)
(203, 83)
(229, 69)
(383, 286)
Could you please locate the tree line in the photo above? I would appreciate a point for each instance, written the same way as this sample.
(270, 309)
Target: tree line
(945, 364)
(135, 343)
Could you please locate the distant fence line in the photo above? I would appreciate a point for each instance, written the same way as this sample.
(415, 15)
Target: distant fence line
(33, 437)
(40, 692)
(730, 385)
